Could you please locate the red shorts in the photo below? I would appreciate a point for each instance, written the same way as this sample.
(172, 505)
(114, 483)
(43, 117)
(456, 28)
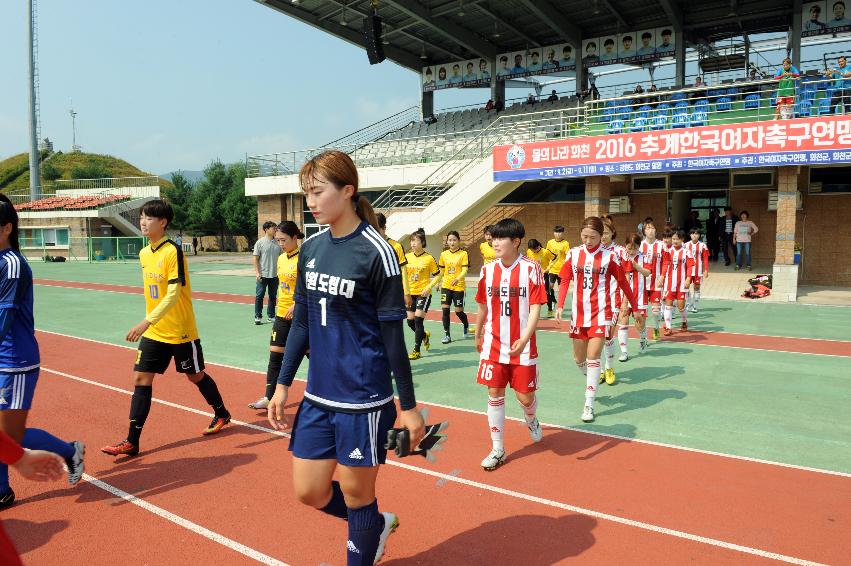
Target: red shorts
(588, 332)
(785, 100)
(523, 379)
(675, 296)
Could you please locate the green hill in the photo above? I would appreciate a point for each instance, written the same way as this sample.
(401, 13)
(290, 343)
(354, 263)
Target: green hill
(15, 173)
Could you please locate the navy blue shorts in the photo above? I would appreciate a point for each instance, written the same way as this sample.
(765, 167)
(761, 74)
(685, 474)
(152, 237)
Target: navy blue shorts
(17, 389)
(353, 439)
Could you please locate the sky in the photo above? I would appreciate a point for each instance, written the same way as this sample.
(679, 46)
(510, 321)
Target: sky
(170, 85)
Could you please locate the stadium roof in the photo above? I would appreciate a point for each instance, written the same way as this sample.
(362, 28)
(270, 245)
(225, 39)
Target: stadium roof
(423, 32)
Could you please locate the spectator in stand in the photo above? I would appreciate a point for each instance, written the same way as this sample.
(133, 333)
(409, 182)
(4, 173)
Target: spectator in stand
(553, 97)
(638, 101)
(712, 241)
(842, 85)
(786, 77)
(195, 245)
(725, 230)
(742, 233)
(530, 99)
(490, 105)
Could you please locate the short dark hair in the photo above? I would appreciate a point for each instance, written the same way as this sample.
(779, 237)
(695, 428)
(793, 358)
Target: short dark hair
(609, 41)
(646, 35)
(504, 58)
(666, 32)
(835, 4)
(679, 234)
(454, 233)
(746, 213)
(419, 233)
(268, 224)
(694, 230)
(534, 244)
(488, 229)
(158, 208)
(629, 37)
(508, 228)
(590, 44)
(382, 220)
(536, 53)
(726, 208)
(558, 228)
(668, 233)
(291, 229)
(648, 219)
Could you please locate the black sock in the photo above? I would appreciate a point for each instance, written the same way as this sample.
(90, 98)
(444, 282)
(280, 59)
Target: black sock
(365, 526)
(337, 505)
(462, 316)
(446, 320)
(411, 325)
(211, 394)
(276, 360)
(419, 333)
(140, 406)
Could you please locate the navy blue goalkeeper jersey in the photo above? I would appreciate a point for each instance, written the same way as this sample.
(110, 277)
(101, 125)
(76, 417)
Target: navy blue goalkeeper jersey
(349, 286)
(18, 349)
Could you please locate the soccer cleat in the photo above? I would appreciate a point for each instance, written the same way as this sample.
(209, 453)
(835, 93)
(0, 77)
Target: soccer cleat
(258, 320)
(610, 376)
(415, 355)
(667, 331)
(655, 333)
(427, 340)
(260, 403)
(495, 459)
(271, 320)
(642, 346)
(217, 424)
(684, 326)
(75, 463)
(535, 430)
(602, 375)
(469, 335)
(391, 523)
(7, 499)
(588, 414)
(446, 339)
(693, 309)
(123, 448)
(737, 268)
(624, 357)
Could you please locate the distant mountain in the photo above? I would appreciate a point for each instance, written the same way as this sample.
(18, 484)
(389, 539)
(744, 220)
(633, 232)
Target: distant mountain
(192, 176)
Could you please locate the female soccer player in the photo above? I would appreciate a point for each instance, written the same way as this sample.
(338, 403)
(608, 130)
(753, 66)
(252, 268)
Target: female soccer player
(403, 261)
(20, 359)
(349, 312)
(651, 251)
(167, 331)
(486, 248)
(453, 264)
(636, 274)
(700, 252)
(593, 267)
(539, 253)
(677, 266)
(608, 370)
(557, 246)
(287, 236)
(423, 276)
(510, 294)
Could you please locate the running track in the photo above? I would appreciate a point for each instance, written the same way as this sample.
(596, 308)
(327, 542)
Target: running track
(227, 499)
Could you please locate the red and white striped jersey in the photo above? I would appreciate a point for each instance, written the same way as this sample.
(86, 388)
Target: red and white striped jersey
(509, 293)
(652, 254)
(594, 271)
(700, 252)
(677, 265)
(620, 254)
(637, 282)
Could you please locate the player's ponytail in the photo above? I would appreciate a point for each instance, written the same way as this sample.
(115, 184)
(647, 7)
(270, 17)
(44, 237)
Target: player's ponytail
(338, 168)
(8, 214)
(365, 210)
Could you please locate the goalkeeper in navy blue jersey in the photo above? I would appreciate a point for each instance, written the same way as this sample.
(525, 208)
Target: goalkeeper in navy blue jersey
(349, 312)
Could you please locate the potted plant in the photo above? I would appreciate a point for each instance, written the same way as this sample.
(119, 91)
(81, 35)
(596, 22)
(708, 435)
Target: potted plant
(797, 256)
(99, 255)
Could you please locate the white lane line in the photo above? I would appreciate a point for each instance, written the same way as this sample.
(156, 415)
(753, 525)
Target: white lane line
(548, 425)
(185, 523)
(502, 491)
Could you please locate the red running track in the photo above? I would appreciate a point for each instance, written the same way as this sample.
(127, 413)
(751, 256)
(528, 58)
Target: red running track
(237, 484)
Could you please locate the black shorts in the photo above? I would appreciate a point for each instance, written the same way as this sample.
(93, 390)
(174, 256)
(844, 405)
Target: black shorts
(154, 356)
(452, 298)
(420, 304)
(280, 331)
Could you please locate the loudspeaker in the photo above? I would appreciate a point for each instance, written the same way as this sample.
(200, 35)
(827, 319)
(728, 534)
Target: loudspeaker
(372, 39)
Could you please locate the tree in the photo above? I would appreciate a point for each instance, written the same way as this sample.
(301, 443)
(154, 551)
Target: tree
(180, 197)
(206, 207)
(92, 169)
(240, 211)
(49, 172)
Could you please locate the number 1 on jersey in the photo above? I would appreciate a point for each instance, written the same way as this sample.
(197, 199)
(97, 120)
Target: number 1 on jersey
(324, 302)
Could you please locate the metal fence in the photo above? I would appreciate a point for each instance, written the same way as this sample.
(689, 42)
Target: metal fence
(93, 249)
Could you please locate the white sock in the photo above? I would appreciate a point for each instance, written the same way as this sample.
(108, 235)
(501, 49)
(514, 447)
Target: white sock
(610, 353)
(656, 316)
(623, 337)
(591, 381)
(529, 412)
(642, 335)
(684, 315)
(583, 368)
(669, 315)
(696, 299)
(496, 420)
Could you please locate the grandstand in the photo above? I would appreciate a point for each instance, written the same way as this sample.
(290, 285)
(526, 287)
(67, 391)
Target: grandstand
(437, 169)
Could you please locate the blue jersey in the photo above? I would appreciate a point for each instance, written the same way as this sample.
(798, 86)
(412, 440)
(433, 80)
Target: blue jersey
(19, 349)
(349, 286)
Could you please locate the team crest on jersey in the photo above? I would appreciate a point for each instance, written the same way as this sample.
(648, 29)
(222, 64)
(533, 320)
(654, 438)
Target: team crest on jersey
(515, 157)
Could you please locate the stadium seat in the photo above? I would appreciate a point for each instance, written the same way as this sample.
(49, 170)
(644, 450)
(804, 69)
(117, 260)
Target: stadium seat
(616, 126)
(639, 123)
(752, 101)
(680, 116)
(678, 96)
(644, 111)
(663, 109)
(805, 108)
(698, 118)
(659, 122)
(724, 104)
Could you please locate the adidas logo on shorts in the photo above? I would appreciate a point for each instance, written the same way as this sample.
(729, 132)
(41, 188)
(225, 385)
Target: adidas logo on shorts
(350, 546)
(356, 455)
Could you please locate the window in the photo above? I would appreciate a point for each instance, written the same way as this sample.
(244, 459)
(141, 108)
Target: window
(44, 237)
(564, 190)
(830, 180)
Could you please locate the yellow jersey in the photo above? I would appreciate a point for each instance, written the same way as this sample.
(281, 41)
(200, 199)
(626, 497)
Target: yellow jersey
(452, 263)
(488, 255)
(559, 250)
(287, 271)
(400, 253)
(421, 268)
(163, 263)
(543, 257)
